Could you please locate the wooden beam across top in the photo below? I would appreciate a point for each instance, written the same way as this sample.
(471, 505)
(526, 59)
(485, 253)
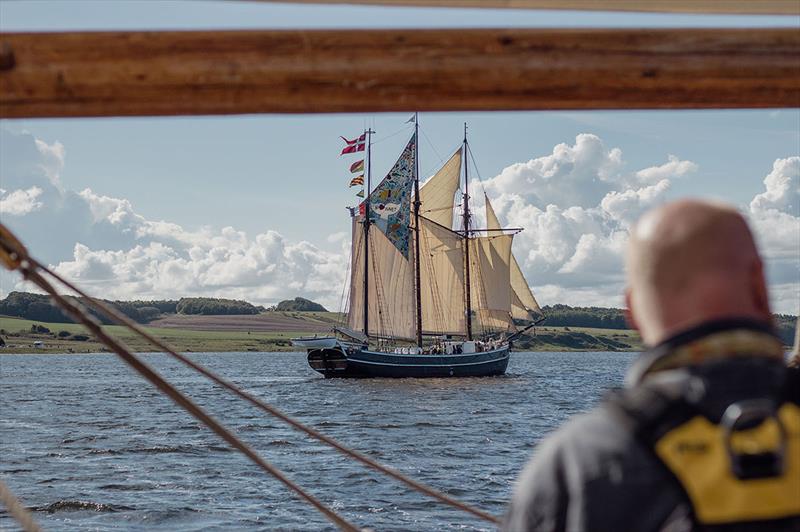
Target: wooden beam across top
(730, 7)
(321, 71)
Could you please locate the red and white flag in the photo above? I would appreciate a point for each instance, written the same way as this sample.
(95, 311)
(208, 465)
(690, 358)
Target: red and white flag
(354, 145)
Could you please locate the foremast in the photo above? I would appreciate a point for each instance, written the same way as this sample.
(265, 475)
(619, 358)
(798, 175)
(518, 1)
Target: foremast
(465, 209)
(367, 217)
(417, 203)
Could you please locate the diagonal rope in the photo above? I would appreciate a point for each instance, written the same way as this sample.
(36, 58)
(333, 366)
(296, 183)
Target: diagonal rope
(17, 510)
(77, 312)
(124, 320)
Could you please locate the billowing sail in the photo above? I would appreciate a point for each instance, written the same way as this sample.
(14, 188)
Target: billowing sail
(523, 304)
(442, 279)
(391, 281)
(490, 282)
(437, 193)
(390, 201)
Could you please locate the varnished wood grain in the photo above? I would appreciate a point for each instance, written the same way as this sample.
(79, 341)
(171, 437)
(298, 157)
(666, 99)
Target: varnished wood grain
(301, 71)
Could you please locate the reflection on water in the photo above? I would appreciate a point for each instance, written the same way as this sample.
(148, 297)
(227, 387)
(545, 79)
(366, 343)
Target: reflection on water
(89, 445)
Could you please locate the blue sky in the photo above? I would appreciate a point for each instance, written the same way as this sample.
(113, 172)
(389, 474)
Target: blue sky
(283, 174)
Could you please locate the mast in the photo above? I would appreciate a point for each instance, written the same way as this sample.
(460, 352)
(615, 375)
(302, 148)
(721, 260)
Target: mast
(417, 203)
(466, 239)
(369, 133)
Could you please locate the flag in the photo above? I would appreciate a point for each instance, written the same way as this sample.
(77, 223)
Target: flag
(357, 166)
(360, 194)
(412, 120)
(354, 145)
(357, 180)
(362, 208)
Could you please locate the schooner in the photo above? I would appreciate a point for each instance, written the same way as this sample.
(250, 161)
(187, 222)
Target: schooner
(430, 294)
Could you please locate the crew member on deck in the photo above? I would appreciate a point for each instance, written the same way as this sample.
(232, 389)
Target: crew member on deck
(706, 433)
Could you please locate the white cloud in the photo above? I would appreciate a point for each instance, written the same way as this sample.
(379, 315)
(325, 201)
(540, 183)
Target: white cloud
(576, 205)
(20, 202)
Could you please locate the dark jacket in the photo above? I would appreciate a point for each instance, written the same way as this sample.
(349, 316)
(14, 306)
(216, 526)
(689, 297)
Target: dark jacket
(599, 472)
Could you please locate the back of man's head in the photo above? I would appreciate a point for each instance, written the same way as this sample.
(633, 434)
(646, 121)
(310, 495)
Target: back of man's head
(690, 262)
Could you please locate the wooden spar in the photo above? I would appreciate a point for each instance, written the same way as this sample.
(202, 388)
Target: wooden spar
(733, 7)
(417, 203)
(317, 71)
(465, 199)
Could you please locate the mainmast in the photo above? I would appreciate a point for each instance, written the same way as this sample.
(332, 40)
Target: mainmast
(366, 231)
(466, 239)
(417, 203)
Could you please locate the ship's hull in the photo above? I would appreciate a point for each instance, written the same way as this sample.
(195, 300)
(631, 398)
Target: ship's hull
(345, 362)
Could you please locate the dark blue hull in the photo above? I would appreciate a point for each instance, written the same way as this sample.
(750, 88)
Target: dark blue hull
(362, 363)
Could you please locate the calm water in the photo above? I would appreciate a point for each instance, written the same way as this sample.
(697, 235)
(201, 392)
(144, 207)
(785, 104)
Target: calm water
(90, 446)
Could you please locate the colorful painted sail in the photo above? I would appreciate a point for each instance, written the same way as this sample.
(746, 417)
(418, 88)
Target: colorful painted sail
(357, 166)
(358, 180)
(390, 202)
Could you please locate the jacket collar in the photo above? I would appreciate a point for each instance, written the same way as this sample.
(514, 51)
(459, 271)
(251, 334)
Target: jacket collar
(707, 342)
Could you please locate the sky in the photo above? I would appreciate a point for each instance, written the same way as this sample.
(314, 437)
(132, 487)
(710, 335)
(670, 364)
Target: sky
(253, 206)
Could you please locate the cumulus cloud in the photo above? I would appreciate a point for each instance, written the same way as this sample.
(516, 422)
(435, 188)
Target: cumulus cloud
(20, 202)
(576, 205)
(102, 243)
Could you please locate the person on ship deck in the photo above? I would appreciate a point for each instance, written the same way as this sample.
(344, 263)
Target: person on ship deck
(705, 435)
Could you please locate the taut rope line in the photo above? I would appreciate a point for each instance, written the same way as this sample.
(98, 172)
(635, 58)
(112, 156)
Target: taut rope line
(364, 459)
(17, 510)
(14, 255)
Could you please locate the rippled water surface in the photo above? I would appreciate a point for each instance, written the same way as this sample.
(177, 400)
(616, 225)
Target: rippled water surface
(89, 445)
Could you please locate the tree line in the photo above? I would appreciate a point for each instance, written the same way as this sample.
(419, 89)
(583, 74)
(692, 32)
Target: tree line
(37, 307)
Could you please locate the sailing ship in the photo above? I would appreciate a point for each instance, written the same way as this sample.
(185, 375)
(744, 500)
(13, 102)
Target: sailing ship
(428, 297)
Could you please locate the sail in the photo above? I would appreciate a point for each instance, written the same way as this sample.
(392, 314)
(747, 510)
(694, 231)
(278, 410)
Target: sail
(523, 303)
(390, 201)
(391, 278)
(442, 278)
(490, 281)
(437, 193)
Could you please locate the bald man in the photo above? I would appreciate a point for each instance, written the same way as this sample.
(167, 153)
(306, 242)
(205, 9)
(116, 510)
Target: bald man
(706, 433)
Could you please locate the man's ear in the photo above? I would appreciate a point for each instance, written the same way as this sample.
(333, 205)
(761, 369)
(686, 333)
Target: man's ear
(628, 312)
(758, 290)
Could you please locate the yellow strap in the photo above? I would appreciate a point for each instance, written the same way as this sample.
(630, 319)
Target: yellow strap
(696, 454)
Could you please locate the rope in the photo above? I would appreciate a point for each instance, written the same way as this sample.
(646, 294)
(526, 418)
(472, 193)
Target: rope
(17, 250)
(14, 256)
(17, 510)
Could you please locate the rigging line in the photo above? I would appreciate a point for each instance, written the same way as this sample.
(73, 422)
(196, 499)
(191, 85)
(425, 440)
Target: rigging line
(364, 459)
(387, 137)
(22, 515)
(79, 313)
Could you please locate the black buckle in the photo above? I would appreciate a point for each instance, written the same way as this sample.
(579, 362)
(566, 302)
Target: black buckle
(752, 413)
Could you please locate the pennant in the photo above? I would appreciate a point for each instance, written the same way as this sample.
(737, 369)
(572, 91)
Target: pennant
(412, 120)
(360, 194)
(390, 202)
(358, 180)
(357, 166)
(362, 208)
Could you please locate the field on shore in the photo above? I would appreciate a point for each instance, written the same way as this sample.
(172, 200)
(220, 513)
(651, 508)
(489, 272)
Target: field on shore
(269, 331)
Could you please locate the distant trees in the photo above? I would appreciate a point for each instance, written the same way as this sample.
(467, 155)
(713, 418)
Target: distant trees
(38, 307)
(597, 317)
(299, 304)
(208, 306)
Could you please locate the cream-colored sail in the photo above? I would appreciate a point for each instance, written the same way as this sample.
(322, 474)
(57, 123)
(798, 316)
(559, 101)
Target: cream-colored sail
(437, 193)
(523, 303)
(391, 281)
(442, 279)
(490, 281)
